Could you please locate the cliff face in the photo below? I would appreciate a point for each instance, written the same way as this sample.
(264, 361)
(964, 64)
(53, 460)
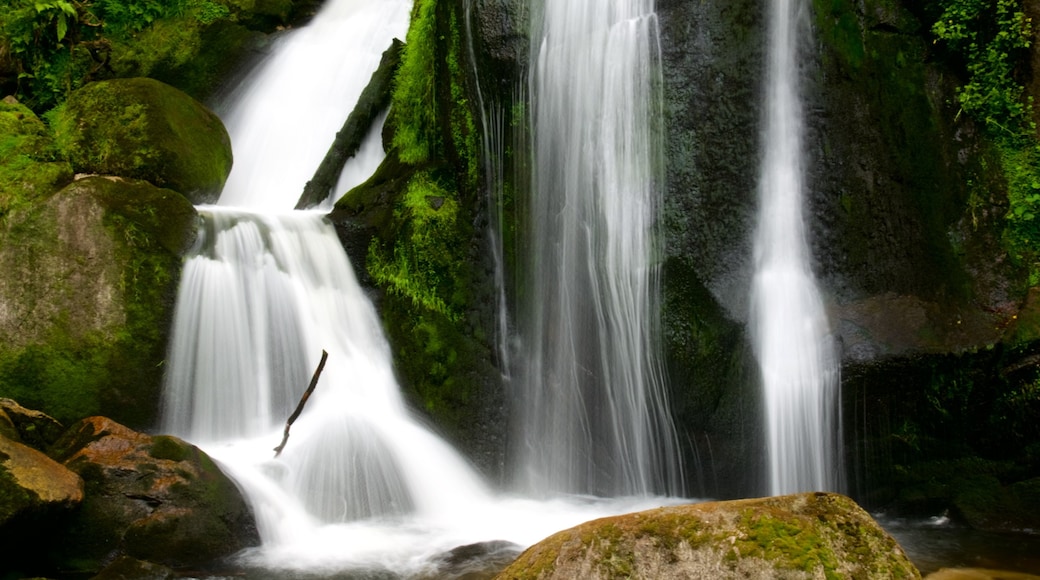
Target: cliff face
(907, 207)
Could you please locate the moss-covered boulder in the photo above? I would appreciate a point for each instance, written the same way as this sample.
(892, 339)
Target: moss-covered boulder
(30, 166)
(87, 297)
(799, 536)
(153, 498)
(144, 129)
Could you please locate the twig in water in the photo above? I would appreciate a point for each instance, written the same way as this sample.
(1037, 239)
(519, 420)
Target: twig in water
(303, 401)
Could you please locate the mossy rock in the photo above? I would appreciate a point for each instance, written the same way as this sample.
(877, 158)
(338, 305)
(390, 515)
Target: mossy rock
(30, 167)
(153, 498)
(87, 300)
(815, 535)
(144, 129)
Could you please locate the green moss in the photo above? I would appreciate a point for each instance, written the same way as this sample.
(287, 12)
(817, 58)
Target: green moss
(169, 448)
(789, 544)
(420, 206)
(30, 167)
(415, 96)
(424, 266)
(838, 26)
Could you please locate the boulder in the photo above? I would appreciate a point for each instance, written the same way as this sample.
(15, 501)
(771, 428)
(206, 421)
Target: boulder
(151, 498)
(145, 129)
(91, 274)
(33, 488)
(811, 535)
(33, 428)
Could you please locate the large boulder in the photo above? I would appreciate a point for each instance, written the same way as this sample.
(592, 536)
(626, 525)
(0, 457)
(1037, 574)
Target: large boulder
(152, 498)
(86, 300)
(33, 488)
(811, 535)
(37, 497)
(145, 129)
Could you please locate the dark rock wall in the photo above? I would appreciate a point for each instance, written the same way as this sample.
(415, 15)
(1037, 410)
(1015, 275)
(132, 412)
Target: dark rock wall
(905, 209)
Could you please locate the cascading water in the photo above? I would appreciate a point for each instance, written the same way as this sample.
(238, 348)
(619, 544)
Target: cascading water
(594, 417)
(795, 349)
(360, 483)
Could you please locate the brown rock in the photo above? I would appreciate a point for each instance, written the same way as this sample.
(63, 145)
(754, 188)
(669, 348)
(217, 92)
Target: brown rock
(153, 498)
(32, 485)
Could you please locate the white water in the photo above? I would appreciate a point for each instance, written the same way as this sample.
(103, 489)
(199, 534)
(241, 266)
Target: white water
(792, 338)
(593, 415)
(360, 483)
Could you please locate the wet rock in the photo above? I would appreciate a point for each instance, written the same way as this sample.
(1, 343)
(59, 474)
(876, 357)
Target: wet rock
(798, 536)
(979, 574)
(33, 488)
(475, 561)
(152, 498)
(125, 568)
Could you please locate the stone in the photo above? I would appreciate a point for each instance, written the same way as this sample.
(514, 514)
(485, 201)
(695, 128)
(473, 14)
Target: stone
(811, 535)
(32, 485)
(144, 129)
(151, 498)
(91, 274)
(33, 428)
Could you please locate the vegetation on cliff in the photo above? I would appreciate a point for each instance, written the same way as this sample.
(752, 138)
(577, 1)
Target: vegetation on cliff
(421, 206)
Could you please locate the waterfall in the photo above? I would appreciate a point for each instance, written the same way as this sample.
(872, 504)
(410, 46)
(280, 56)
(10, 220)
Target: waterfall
(361, 484)
(792, 340)
(593, 412)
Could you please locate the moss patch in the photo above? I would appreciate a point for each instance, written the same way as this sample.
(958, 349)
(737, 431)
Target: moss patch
(30, 167)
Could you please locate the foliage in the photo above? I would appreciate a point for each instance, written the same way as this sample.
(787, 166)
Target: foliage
(60, 45)
(993, 38)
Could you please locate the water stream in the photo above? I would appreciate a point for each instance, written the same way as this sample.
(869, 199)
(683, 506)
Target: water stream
(362, 484)
(593, 416)
(790, 330)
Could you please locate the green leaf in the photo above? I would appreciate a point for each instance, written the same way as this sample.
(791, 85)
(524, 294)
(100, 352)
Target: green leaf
(63, 26)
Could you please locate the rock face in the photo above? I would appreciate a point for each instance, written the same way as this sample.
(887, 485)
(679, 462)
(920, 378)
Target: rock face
(144, 129)
(800, 536)
(905, 211)
(153, 498)
(91, 274)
